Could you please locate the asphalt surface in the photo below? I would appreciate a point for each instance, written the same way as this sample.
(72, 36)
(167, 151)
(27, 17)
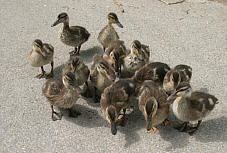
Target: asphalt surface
(193, 33)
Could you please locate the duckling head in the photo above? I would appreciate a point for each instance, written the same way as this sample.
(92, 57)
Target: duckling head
(62, 18)
(115, 58)
(75, 64)
(175, 78)
(38, 46)
(69, 80)
(112, 18)
(136, 49)
(150, 110)
(183, 90)
(106, 71)
(112, 118)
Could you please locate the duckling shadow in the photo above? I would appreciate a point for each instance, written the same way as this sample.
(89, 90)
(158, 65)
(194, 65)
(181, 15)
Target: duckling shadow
(170, 134)
(213, 130)
(88, 54)
(134, 122)
(58, 71)
(88, 118)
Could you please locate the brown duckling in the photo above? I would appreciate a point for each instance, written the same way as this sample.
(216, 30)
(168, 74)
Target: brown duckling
(154, 71)
(80, 70)
(191, 106)
(115, 54)
(73, 36)
(153, 104)
(42, 54)
(114, 99)
(180, 73)
(108, 33)
(102, 75)
(62, 93)
(138, 57)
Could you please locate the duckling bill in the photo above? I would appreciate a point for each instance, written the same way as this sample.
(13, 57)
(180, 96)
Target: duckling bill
(42, 54)
(73, 36)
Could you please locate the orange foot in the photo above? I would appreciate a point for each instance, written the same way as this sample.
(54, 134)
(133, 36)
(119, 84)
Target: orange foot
(154, 129)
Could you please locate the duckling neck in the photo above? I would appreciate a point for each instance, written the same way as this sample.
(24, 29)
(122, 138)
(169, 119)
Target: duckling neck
(66, 25)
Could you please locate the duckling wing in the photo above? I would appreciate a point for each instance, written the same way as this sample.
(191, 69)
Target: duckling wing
(79, 32)
(202, 101)
(53, 89)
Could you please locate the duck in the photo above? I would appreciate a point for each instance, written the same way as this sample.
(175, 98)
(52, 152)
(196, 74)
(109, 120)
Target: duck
(62, 92)
(152, 102)
(81, 71)
(73, 36)
(180, 73)
(114, 99)
(137, 58)
(115, 54)
(189, 106)
(102, 75)
(42, 54)
(154, 71)
(108, 33)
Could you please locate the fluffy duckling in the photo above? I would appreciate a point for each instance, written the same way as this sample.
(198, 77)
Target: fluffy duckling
(138, 57)
(73, 36)
(153, 104)
(102, 75)
(115, 54)
(62, 93)
(42, 54)
(180, 73)
(108, 33)
(155, 71)
(191, 106)
(114, 99)
(80, 70)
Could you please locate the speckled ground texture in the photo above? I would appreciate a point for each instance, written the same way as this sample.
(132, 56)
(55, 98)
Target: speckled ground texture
(193, 33)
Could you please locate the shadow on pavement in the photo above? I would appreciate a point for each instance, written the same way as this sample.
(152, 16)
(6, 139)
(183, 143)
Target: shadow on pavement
(88, 118)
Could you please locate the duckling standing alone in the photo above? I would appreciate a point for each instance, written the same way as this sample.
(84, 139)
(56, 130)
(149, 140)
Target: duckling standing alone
(191, 106)
(138, 57)
(115, 54)
(180, 73)
(62, 93)
(80, 70)
(102, 75)
(114, 99)
(153, 104)
(108, 33)
(42, 54)
(73, 36)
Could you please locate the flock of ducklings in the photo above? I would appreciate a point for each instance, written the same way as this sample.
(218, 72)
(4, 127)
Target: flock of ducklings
(155, 84)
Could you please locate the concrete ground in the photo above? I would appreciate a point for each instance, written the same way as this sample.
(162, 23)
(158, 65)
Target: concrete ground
(193, 33)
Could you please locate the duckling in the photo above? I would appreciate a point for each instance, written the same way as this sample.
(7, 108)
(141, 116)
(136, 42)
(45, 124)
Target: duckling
(180, 73)
(191, 106)
(108, 33)
(80, 70)
(138, 57)
(73, 36)
(115, 54)
(114, 99)
(154, 71)
(153, 104)
(42, 54)
(102, 75)
(62, 93)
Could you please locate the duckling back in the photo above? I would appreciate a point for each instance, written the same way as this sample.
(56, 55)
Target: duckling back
(58, 95)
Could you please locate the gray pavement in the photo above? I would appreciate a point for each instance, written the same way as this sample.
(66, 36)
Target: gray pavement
(193, 32)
